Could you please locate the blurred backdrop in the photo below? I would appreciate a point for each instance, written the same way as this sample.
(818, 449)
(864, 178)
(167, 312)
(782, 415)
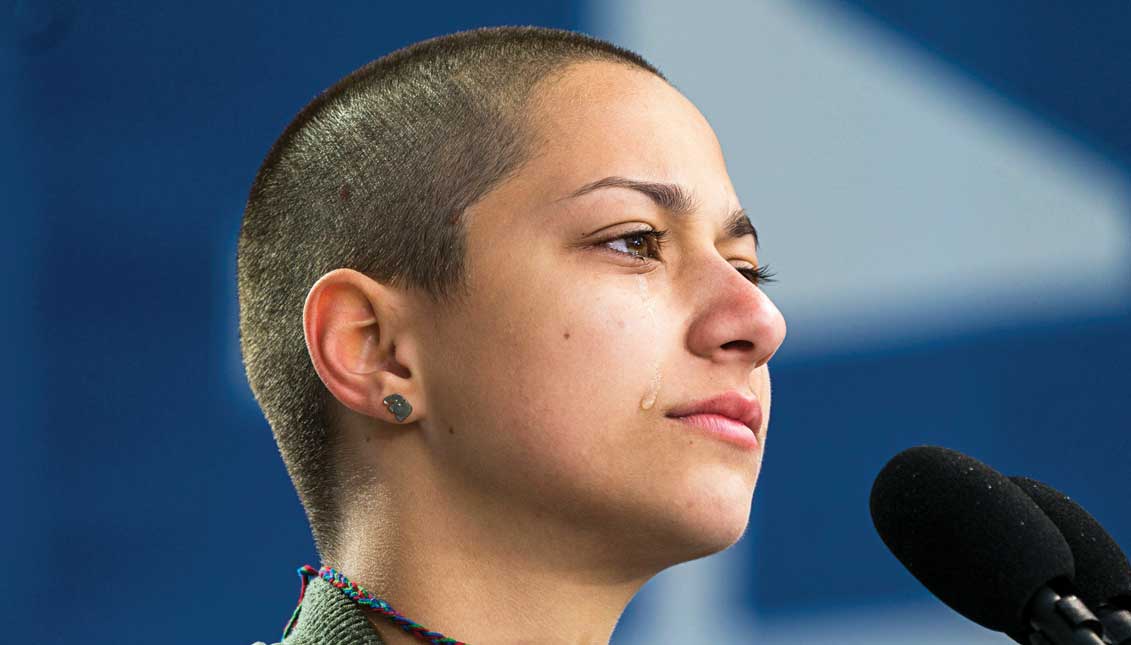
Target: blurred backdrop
(941, 187)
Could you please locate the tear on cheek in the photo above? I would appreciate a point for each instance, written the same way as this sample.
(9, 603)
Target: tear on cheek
(649, 399)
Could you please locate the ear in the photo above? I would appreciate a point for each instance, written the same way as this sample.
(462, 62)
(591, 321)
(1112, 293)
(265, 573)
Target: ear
(351, 324)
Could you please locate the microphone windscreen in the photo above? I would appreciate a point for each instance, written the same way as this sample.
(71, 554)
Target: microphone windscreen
(1102, 571)
(971, 536)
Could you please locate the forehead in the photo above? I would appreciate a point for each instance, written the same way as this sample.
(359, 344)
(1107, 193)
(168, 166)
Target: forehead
(599, 119)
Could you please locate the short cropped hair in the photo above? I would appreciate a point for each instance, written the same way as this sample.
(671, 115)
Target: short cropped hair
(374, 175)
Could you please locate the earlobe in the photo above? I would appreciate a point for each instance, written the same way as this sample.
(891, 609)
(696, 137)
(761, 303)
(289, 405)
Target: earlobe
(349, 338)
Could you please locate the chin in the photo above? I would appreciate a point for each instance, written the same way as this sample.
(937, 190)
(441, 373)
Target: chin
(714, 525)
(720, 537)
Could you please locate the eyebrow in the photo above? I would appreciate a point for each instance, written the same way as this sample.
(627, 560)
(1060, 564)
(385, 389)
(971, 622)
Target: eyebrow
(675, 199)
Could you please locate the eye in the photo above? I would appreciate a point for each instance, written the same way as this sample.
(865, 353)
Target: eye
(647, 239)
(761, 275)
(636, 240)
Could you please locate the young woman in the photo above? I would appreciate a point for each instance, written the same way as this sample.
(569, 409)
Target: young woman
(501, 306)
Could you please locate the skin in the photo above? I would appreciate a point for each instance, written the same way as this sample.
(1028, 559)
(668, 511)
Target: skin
(529, 496)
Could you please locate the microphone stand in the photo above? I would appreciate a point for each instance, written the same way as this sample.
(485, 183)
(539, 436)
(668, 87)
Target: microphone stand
(1116, 622)
(1062, 620)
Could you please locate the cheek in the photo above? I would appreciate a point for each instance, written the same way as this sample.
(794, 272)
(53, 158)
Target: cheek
(586, 355)
(551, 409)
(565, 368)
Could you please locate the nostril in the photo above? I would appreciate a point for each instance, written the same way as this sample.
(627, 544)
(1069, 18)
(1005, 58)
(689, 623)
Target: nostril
(739, 344)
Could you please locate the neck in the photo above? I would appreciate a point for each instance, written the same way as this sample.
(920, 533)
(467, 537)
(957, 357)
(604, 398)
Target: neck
(488, 565)
(467, 577)
(478, 590)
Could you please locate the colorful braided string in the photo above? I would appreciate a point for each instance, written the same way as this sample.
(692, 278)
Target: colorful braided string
(364, 598)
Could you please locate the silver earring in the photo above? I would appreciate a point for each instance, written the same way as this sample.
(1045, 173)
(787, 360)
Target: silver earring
(398, 406)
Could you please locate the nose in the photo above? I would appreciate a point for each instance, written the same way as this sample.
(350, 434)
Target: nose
(735, 321)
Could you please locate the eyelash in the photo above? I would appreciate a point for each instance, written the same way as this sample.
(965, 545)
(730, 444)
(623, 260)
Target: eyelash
(758, 276)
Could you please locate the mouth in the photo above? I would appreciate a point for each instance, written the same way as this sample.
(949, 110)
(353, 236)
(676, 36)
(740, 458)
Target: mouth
(721, 427)
(730, 407)
(730, 416)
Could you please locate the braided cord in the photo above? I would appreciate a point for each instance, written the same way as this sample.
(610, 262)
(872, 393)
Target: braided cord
(362, 597)
(305, 572)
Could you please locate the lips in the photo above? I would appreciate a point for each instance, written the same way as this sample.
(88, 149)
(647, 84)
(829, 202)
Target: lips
(746, 410)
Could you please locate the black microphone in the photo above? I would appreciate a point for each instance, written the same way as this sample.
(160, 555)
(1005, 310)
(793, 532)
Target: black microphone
(981, 545)
(1103, 575)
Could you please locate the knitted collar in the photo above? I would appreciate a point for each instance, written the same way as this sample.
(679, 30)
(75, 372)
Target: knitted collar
(332, 609)
(326, 616)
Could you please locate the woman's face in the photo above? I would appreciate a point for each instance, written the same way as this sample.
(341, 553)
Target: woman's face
(547, 394)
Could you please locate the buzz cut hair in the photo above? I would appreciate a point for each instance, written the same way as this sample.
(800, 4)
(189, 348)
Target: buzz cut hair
(374, 175)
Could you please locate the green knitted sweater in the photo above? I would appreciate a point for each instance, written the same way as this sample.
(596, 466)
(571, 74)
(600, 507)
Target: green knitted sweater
(328, 617)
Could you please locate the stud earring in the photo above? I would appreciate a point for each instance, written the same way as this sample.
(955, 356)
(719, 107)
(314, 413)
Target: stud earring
(398, 406)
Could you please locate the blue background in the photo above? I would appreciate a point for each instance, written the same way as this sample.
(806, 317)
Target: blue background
(149, 497)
